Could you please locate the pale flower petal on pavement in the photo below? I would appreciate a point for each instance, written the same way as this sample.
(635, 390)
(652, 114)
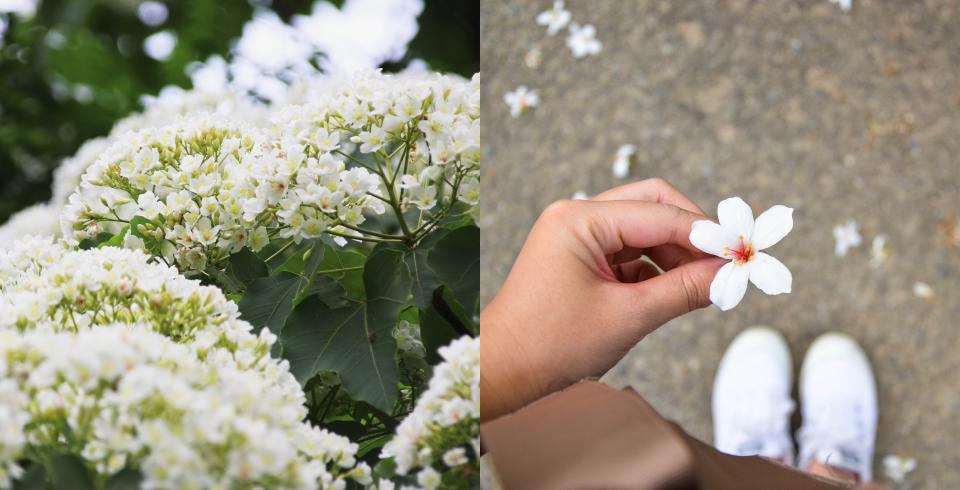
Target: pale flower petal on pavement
(769, 274)
(729, 286)
(847, 236)
(771, 226)
(582, 40)
(736, 215)
(555, 18)
(898, 467)
(521, 100)
(712, 238)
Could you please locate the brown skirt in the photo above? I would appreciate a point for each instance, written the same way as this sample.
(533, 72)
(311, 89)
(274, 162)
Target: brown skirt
(593, 436)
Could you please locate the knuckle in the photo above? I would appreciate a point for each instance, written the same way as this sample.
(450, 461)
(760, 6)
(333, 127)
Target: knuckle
(559, 210)
(694, 291)
(658, 182)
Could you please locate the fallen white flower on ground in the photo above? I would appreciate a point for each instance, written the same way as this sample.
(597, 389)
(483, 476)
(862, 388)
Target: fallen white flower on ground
(621, 164)
(845, 5)
(554, 18)
(922, 290)
(739, 238)
(582, 41)
(878, 251)
(580, 196)
(521, 100)
(847, 236)
(532, 58)
(898, 467)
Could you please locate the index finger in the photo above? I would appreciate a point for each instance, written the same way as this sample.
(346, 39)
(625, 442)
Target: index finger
(616, 225)
(655, 190)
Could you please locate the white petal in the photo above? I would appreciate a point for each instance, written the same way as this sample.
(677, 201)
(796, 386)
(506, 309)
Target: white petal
(769, 274)
(712, 238)
(729, 285)
(736, 215)
(771, 226)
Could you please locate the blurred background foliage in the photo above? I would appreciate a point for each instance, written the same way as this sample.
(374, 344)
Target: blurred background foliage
(77, 66)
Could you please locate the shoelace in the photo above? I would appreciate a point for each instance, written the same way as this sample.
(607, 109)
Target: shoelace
(832, 435)
(762, 427)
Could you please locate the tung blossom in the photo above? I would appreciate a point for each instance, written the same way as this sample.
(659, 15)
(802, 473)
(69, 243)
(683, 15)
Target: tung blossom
(621, 164)
(898, 467)
(847, 236)
(582, 40)
(844, 5)
(739, 238)
(521, 100)
(554, 18)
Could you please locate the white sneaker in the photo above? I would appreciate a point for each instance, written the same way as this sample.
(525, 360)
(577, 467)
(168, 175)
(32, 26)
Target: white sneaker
(839, 406)
(751, 397)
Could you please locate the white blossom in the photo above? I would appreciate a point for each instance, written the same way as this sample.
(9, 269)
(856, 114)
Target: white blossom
(740, 239)
(554, 18)
(127, 396)
(521, 100)
(847, 236)
(582, 40)
(447, 414)
(621, 163)
(39, 219)
(898, 467)
(923, 290)
(844, 5)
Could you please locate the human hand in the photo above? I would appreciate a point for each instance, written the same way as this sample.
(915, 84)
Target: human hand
(579, 295)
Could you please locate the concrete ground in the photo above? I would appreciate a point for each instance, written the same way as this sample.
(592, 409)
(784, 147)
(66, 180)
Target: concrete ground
(840, 115)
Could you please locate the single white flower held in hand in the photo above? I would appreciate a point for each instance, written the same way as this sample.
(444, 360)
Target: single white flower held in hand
(582, 41)
(621, 164)
(739, 238)
(521, 100)
(555, 18)
(847, 236)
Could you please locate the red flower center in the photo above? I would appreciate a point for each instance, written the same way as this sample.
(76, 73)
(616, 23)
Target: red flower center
(743, 253)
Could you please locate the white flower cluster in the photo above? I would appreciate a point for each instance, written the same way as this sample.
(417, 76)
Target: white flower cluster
(172, 104)
(442, 431)
(204, 188)
(46, 286)
(123, 396)
(420, 135)
(408, 339)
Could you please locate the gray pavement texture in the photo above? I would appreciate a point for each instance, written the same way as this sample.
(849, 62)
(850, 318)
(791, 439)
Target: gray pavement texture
(840, 115)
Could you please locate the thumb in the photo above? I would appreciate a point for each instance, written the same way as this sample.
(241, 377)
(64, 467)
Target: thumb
(671, 294)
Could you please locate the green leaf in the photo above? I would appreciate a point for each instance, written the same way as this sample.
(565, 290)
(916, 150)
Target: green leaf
(386, 468)
(69, 473)
(328, 290)
(372, 444)
(456, 261)
(269, 301)
(88, 243)
(345, 266)
(355, 341)
(424, 278)
(435, 332)
(34, 479)
(116, 240)
(126, 479)
(247, 267)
